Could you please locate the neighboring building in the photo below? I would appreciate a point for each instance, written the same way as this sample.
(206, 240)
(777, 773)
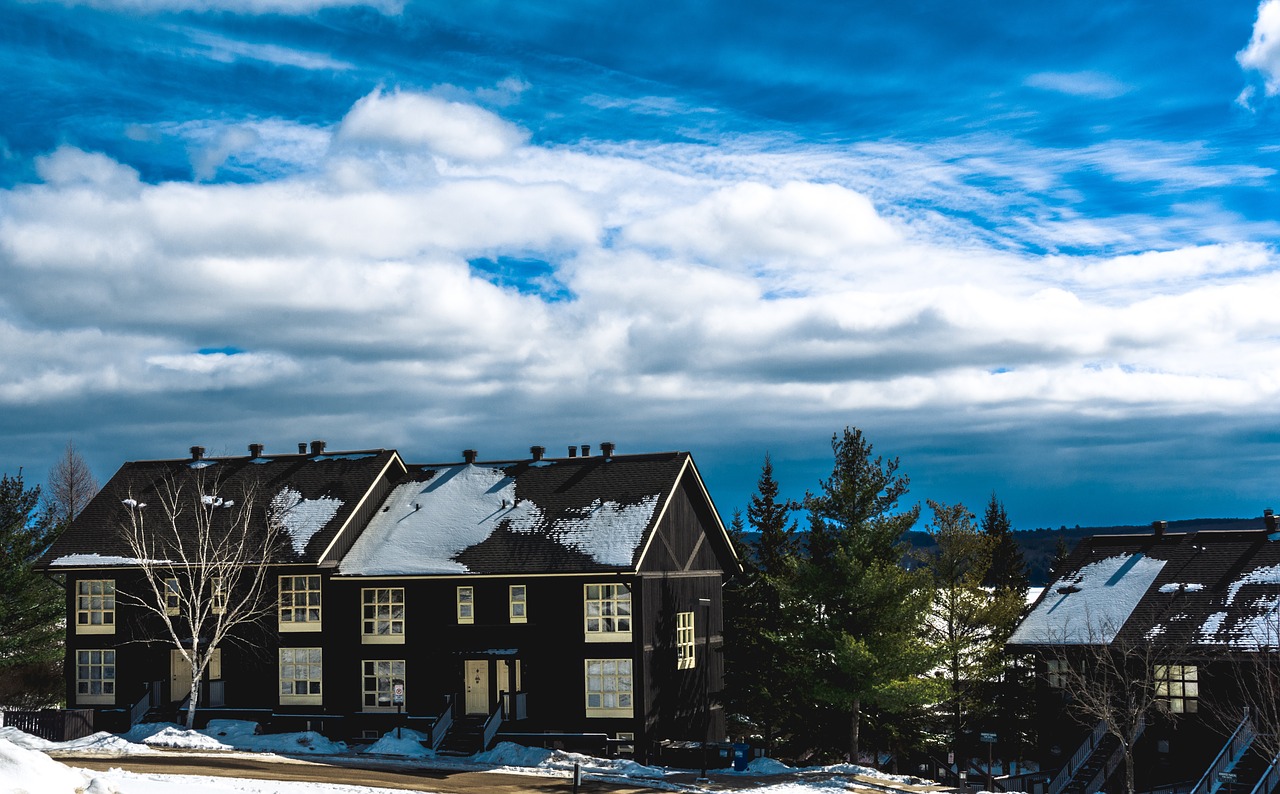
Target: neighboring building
(1203, 605)
(540, 599)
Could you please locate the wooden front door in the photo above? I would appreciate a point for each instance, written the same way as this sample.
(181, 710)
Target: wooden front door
(476, 675)
(179, 676)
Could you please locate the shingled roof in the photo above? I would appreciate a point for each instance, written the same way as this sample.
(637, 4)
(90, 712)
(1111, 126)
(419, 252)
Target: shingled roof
(1205, 589)
(564, 515)
(313, 495)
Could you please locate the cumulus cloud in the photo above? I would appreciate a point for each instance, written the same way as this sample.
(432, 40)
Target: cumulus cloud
(1262, 54)
(415, 121)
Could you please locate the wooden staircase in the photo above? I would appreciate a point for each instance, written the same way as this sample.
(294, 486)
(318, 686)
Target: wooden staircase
(465, 737)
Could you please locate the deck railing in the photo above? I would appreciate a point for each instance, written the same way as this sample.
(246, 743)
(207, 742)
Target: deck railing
(1269, 780)
(1082, 754)
(1228, 756)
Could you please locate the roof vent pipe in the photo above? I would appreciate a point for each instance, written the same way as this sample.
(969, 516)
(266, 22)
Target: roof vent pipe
(537, 452)
(1158, 527)
(586, 450)
(1270, 519)
(606, 449)
(317, 447)
(255, 450)
(573, 451)
(469, 455)
(197, 453)
(302, 447)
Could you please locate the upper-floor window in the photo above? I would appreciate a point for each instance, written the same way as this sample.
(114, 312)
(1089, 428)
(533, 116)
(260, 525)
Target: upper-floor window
(607, 611)
(684, 641)
(299, 603)
(1056, 673)
(1178, 685)
(172, 597)
(218, 596)
(518, 603)
(466, 605)
(301, 676)
(96, 606)
(96, 676)
(382, 615)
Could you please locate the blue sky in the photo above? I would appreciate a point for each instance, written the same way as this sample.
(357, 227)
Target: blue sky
(1028, 248)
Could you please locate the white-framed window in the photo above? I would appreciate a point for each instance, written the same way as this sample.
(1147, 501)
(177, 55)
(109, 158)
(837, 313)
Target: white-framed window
(608, 688)
(300, 603)
(626, 743)
(301, 676)
(217, 596)
(1178, 685)
(1056, 673)
(685, 645)
(172, 597)
(378, 683)
(382, 615)
(96, 677)
(519, 604)
(607, 612)
(96, 606)
(466, 604)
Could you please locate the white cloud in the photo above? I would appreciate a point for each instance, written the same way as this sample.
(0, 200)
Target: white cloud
(410, 120)
(228, 50)
(1085, 84)
(1262, 54)
(239, 6)
(68, 166)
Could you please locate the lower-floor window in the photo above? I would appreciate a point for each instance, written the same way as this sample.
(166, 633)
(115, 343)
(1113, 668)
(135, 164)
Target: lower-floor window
(96, 676)
(1178, 685)
(301, 675)
(609, 688)
(380, 679)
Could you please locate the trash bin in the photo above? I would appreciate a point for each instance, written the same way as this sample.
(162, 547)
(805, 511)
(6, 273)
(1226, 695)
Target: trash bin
(741, 756)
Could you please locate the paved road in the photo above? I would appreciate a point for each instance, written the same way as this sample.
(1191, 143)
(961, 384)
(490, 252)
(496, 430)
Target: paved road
(435, 780)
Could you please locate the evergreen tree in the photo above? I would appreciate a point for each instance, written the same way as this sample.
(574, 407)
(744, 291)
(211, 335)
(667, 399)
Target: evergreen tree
(864, 610)
(1008, 569)
(1061, 552)
(31, 606)
(969, 622)
(762, 654)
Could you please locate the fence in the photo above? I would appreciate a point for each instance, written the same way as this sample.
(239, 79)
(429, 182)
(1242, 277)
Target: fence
(55, 725)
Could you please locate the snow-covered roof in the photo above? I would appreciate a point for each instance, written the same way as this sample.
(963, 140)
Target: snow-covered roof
(1091, 605)
(572, 514)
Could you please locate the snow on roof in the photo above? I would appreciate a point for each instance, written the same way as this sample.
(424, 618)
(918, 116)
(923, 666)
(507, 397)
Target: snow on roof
(1259, 623)
(302, 518)
(91, 560)
(425, 525)
(1090, 606)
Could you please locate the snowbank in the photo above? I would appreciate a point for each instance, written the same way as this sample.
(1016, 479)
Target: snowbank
(25, 771)
(407, 744)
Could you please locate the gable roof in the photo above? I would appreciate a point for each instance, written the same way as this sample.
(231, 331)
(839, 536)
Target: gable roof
(562, 515)
(313, 496)
(1203, 589)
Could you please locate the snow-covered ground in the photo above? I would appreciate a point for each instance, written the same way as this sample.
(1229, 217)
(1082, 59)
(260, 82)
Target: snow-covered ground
(26, 765)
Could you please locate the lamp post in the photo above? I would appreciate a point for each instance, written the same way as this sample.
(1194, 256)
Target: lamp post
(705, 603)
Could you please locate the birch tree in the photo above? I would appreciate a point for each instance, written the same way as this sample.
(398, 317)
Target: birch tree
(203, 546)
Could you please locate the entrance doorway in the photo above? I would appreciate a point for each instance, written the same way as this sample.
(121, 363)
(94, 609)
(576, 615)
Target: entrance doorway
(476, 675)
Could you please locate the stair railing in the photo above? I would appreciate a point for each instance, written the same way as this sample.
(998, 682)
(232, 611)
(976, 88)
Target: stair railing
(440, 728)
(491, 727)
(1269, 780)
(1117, 755)
(1085, 750)
(140, 709)
(1228, 756)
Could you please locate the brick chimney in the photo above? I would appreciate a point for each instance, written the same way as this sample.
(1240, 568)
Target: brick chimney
(573, 451)
(317, 447)
(197, 453)
(255, 450)
(1269, 518)
(606, 449)
(537, 452)
(469, 455)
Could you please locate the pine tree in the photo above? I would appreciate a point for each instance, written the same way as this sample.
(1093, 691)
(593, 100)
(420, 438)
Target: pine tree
(31, 605)
(865, 611)
(1008, 570)
(762, 655)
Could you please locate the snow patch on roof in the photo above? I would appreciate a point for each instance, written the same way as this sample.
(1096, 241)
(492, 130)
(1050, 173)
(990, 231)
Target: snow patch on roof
(607, 531)
(102, 559)
(1090, 606)
(302, 518)
(424, 525)
(1267, 575)
(1174, 587)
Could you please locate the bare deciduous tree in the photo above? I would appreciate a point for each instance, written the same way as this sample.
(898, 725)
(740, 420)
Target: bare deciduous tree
(70, 487)
(204, 547)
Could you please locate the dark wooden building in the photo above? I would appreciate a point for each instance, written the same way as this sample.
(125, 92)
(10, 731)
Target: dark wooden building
(571, 601)
(1195, 617)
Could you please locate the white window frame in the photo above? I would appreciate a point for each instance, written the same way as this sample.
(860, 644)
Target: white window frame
(217, 596)
(466, 604)
(172, 597)
(518, 603)
(307, 615)
(382, 608)
(96, 669)
(606, 610)
(686, 642)
(609, 687)
(1178, 686)
(382, 675)
(310, 663)
(100, 605)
